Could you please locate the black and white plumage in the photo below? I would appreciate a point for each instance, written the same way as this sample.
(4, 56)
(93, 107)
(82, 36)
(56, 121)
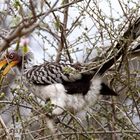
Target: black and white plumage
(63, 84)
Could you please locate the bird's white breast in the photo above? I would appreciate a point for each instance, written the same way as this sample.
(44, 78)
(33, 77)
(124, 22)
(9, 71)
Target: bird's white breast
(59, 97)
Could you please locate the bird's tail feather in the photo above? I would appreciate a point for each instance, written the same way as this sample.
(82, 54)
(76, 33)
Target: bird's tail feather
(105, 90)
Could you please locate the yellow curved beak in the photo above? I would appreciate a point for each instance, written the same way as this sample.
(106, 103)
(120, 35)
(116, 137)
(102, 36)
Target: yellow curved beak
(6, 66)
(3, 63)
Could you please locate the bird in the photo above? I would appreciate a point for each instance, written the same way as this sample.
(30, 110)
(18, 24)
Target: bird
(7, 89)
(63, 84)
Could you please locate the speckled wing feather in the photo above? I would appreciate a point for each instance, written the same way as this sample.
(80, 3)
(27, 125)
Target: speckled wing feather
(50, 73)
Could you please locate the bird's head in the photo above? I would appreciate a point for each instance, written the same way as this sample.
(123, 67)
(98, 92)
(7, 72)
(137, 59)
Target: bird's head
(13, 58)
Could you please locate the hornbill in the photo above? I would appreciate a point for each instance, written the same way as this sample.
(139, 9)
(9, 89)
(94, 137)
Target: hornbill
(63, 84)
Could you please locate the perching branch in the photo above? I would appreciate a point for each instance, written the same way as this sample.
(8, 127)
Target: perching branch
(124, 42)
(27, 26)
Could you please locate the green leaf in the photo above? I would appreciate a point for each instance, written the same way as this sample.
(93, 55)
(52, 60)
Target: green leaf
(70, 70)
(15, 20)
(2, 95)
(25, 49)
(57, 24)
(16, 4)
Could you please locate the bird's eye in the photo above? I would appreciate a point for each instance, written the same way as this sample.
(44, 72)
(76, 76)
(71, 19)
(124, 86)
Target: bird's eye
(11, 55)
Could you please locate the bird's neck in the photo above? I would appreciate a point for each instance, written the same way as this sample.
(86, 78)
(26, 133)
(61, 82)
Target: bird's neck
(25, 67)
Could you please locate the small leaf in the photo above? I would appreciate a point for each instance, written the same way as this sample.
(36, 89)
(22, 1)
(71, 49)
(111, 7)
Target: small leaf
(24, 44)
(25, 49)
(16, 4)
(2, 95)
(57, 24)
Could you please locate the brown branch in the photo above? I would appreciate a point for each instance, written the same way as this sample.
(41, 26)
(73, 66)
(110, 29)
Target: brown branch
(124, 42)
(97, 132)
(18, 31)
(33, 9)
(63, 42)
(5, 128)
(23, 29)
